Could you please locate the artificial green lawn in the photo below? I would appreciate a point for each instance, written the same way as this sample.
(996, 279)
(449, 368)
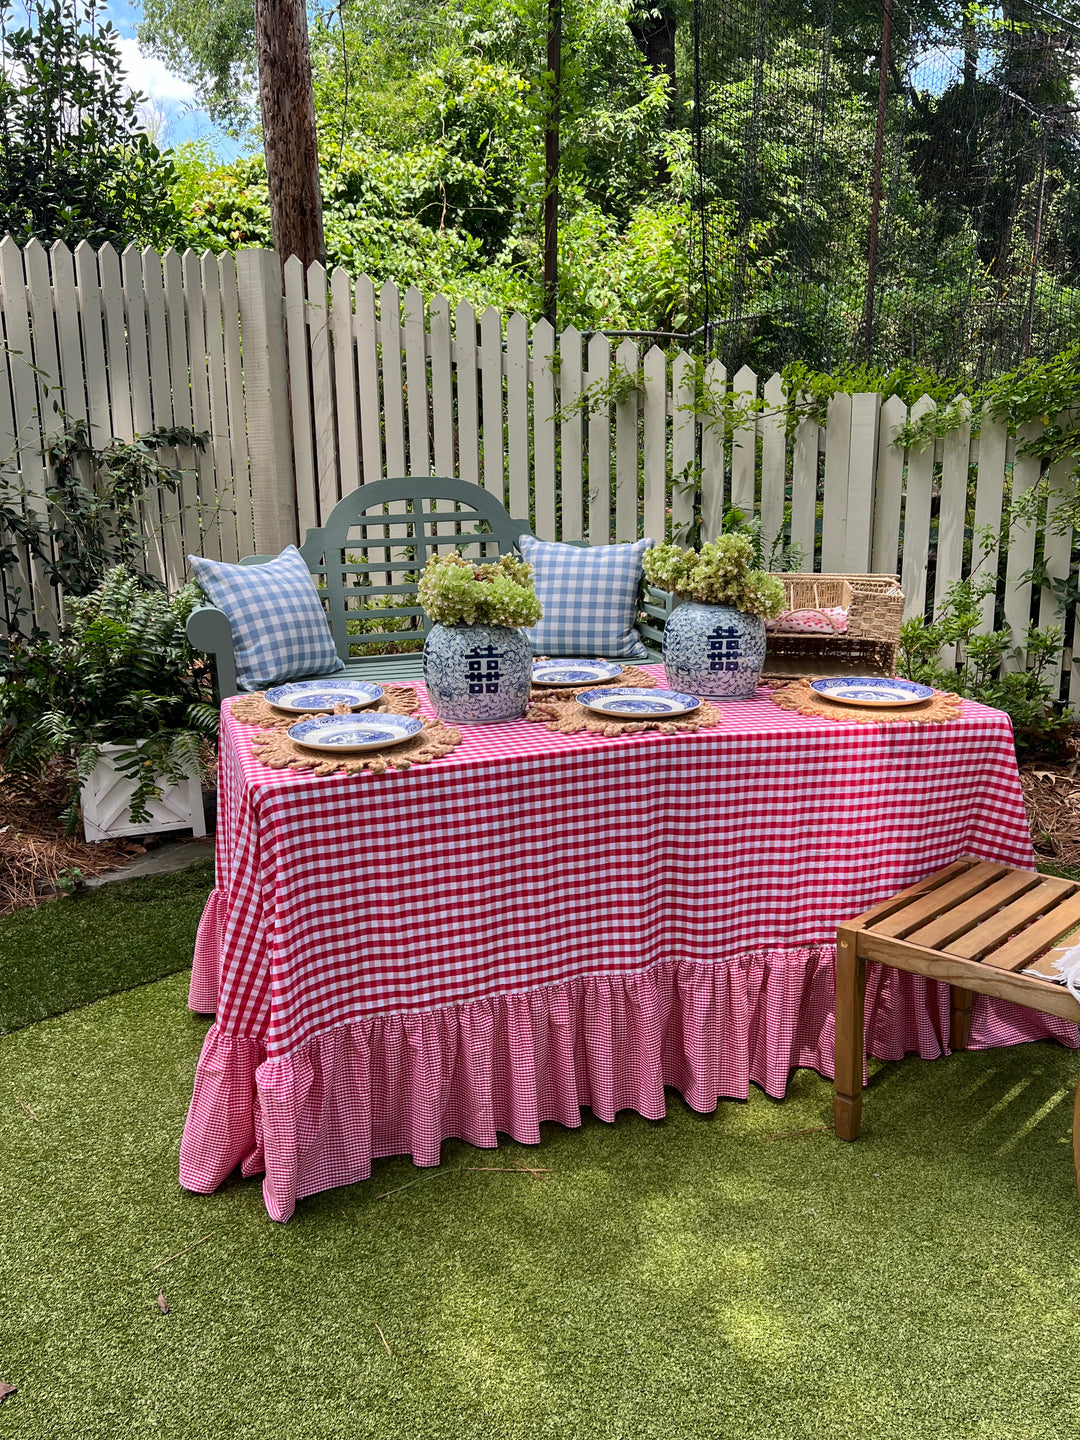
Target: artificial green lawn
(69, 952)
(704, 1276)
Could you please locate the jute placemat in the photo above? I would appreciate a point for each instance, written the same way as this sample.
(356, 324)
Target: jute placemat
(254, 709)
(938, 710)
(566, 717)
(274, 749)
(631, 675)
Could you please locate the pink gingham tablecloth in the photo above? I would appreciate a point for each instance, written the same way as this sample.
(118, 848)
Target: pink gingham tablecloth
(537, 923)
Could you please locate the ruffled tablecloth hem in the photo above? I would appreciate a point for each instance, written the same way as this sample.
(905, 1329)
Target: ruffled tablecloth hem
(402, 1084)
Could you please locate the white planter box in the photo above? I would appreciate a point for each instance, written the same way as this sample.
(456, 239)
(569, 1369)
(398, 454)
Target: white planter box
(106, 797)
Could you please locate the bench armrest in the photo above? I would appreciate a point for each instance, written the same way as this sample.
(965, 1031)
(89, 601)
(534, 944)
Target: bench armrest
(208, 629)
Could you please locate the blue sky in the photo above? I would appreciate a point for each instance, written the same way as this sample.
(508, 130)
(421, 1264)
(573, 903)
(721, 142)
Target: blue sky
(175, 115)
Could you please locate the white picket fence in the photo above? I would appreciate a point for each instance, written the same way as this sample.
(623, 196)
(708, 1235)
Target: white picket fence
(311, 388)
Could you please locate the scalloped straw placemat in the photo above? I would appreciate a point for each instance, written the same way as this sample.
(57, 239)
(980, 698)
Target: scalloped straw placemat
(254, 709)
(631, 675)
(941, 708)
(566, 717)
(274, 749)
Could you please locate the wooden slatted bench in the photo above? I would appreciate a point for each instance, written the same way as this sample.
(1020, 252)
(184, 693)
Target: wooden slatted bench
(366, 560)
(980, 928)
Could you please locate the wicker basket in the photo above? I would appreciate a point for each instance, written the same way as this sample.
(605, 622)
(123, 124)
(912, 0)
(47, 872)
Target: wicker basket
(875, 606)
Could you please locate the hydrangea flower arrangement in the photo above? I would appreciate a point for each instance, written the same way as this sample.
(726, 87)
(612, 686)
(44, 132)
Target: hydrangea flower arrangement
(720, 573)
(457, 591)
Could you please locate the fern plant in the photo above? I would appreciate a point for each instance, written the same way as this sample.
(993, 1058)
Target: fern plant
(121, 673)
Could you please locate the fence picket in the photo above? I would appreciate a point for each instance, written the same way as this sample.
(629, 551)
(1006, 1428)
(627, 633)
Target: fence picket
(626, 444)
(322, 389)
(491, 379)
(88, 291)
(543, 348)
(116, 346)
(183, 414)
(888, 489)
(744, 448)
(683, 480)
(712, 457)
(517, 415)
(366, 332)
(920, 480)
(442, 386)
(773, 459)
(345, 398)
(862, 454)
(393, 378)
(71, 375)
(167, 513)
(989, 493)
(837, 469)
(598, 374)
(417, 395)
(240, 495)
(205, 537)
(571, 469)
(804, 489)
(220, 444)
(952, 511)
(296, 337)
(654, 445)
(1025, 474)
(468, 374)
(1057, 541)
(142, 412)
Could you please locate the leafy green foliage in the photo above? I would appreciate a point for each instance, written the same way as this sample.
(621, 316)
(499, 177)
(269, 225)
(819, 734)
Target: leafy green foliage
(720, 573)
(455, 591)
(92, 522)
(122, 672)
(1041, 726)
(75, 162)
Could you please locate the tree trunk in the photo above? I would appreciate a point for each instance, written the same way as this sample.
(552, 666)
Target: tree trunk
(288, 119)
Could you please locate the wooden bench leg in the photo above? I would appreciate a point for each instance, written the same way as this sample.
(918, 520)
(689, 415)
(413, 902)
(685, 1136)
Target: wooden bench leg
(959, 1017)
(850, 1043)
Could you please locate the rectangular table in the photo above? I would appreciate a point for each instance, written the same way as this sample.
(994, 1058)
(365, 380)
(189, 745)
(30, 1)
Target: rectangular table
(537, 923)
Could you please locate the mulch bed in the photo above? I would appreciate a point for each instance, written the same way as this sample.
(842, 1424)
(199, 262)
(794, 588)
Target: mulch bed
(34, 851)
(1052, 799)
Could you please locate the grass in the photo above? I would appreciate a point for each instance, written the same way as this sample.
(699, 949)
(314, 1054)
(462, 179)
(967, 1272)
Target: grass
(69, 952)
(741, 1274)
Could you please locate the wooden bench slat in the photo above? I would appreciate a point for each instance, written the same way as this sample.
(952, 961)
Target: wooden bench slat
(899, 900)
(1011, 918)
(971, 912)
(1022, 949)
(910, 917)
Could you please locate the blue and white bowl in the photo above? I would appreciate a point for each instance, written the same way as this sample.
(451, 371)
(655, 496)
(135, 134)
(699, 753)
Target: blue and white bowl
(573, 672)
(341, 734)
(303, 696)
(875, 691)
(713, 651)
(632, 702)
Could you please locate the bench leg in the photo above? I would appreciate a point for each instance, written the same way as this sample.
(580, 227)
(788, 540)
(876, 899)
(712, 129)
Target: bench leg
(850, 1042)
(959, 1017)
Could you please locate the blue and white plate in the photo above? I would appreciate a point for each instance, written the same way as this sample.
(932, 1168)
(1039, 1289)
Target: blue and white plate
(632, 702)
(872, 690)
(573, 672)
(341, 733)
(303, 696)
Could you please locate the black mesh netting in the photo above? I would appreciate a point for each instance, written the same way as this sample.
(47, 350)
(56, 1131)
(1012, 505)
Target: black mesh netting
(886, 182)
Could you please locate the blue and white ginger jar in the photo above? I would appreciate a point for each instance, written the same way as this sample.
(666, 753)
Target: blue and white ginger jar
(477, 674)
(713, 651)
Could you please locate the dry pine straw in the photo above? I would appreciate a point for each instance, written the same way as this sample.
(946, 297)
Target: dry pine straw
(1052, 801)
(35, 852)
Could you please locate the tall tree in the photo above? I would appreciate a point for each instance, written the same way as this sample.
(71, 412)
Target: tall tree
(289, 140)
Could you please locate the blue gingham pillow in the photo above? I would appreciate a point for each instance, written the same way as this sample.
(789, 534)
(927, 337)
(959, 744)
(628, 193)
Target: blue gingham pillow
(279, 627)
(590, 598)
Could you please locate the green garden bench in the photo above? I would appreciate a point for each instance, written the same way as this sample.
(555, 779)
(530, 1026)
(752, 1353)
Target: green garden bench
(365, 561)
